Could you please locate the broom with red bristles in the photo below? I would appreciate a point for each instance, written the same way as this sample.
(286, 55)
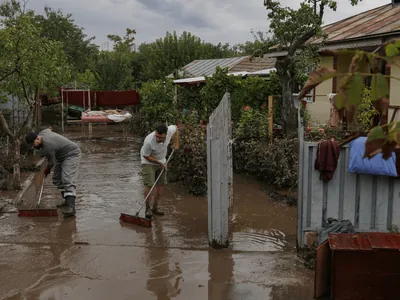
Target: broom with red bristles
(38, 212)
(135, 219)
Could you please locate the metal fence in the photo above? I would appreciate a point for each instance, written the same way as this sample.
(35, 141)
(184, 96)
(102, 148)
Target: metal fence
(371, 203)
(219, 172)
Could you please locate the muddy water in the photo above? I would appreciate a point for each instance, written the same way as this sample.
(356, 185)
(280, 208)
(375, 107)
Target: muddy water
(94, 256)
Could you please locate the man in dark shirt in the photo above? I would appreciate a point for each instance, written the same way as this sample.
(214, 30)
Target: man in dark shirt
(65, 156)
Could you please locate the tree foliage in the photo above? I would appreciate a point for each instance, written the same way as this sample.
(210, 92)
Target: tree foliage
(125, 43)
(258, 47)
(57, 26)
(157, 104)
(112, 71)
(29, 63)
(36, 62)
(292, 28)
(251, 91)
(167, 55)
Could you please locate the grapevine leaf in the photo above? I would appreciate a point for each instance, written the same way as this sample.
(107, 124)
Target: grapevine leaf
(391, 50)
(379, 87)
(375, 141)
(316, 77)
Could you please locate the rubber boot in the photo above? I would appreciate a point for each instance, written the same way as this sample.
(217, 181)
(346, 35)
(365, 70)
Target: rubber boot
(63, 203)
(156, 211)
(70, 211)
(148, 214)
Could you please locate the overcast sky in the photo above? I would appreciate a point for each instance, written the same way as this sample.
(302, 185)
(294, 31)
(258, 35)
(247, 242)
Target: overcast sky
(212, 20)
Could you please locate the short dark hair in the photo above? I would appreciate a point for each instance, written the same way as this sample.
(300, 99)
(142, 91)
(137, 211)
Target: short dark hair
(162, 128)
(30, 137)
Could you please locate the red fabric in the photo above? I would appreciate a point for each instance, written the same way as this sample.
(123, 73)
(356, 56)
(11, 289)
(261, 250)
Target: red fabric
(117, 99)
(79, 98)
(102, 99)
(327, 158)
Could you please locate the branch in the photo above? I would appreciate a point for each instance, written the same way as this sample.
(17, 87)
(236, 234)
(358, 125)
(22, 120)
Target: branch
(27, 123)
(25, 91)
(321, 12)
(4, 126)
(301, 41)
(7, 75)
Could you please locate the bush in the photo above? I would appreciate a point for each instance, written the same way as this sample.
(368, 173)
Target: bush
(251, 91)
(253, 123)
(190, 162)
(272, 159)
(365, 111)
(326, 133)
(275, 161)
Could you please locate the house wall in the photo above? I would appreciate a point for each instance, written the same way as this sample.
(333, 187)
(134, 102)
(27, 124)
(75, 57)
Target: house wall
(320, 108)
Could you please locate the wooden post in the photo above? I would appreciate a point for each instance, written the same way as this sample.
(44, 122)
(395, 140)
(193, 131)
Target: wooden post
(271, 114)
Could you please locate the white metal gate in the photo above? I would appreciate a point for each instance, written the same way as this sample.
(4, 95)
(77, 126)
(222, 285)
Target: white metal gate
(219, 173)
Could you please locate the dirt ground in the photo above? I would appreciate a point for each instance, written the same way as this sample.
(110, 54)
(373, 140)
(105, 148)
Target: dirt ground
(94, 256)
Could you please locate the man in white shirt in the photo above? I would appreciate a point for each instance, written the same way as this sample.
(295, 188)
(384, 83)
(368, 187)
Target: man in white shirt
(153, 158)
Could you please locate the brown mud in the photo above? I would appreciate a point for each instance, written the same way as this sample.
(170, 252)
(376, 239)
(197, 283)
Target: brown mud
(94, 256)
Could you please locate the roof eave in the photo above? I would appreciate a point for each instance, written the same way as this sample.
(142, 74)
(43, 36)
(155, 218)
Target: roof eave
(372, 40)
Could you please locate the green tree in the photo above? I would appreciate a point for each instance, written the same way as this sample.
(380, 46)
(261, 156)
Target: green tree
(167, 55)
(125, 43)
(38, 63)
(292, 28)
(112, 71)
(157, 104)
(58, 26)
(260, 45)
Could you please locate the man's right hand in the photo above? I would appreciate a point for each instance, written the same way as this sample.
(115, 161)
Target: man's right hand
(47, 171)
(163, 166)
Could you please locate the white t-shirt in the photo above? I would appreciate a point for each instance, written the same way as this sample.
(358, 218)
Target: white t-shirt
(158, 150)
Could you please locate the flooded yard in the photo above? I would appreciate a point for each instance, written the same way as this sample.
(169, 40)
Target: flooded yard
(94, 256)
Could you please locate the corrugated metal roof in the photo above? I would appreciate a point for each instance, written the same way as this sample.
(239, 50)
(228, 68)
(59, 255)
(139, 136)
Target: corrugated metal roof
(196, 80)
(207, 67)
(364, 241)
(254, 64)
(382, 20)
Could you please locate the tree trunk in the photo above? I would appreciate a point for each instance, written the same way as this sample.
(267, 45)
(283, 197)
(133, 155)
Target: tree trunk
(289, 111)
(17, 163)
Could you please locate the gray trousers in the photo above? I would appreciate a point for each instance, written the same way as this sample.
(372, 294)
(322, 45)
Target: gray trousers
(66, 173)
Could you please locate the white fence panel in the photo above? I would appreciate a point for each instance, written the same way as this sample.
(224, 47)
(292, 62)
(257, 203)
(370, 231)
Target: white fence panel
(219, 172)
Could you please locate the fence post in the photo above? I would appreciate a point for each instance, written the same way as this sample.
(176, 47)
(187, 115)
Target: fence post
(271, 115)
(300, 179)
(219, 173)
